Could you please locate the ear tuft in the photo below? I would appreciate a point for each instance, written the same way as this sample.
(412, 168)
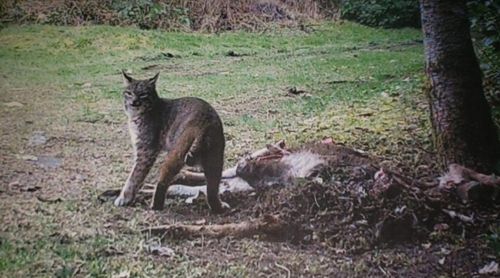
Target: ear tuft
(154, 79)
(126, 78)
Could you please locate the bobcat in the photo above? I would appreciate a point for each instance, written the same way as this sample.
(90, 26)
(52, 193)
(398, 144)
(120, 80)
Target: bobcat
(188, 128)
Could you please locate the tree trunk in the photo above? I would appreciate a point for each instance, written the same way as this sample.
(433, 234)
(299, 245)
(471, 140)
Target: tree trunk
(464, 131)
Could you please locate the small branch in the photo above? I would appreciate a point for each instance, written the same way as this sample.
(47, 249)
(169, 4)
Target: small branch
(288, 272)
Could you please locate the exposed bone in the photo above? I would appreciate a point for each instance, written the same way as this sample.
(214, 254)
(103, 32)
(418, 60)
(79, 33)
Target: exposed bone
(276, 148)
(270, 225)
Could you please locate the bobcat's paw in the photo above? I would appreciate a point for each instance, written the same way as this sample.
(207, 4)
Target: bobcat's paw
(121, 201)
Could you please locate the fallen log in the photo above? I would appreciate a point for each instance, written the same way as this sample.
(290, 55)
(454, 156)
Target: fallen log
(268, 225)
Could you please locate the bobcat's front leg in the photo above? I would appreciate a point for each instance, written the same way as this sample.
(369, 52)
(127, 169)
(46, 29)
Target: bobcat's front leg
(142, 164)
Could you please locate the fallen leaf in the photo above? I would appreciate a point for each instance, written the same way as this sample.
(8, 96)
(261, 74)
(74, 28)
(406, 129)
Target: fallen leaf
(200, 222)
(13, 104)
(49, 200)
(328, 141)
(462, 217)
(441, 227)
(232, 53)
(148, 67)
(491, 268)
(17, 186)
(294, 91)
(445, 251)
(339, 251)
(31, 188)
(110, 251)
(123, 274)
(27, 157)
(158, 250)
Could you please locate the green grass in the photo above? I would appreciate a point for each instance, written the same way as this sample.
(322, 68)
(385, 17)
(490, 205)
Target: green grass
(86, 54)
(337, 63)
(363, 89)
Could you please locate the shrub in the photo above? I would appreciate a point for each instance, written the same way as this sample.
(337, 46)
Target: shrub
(209, 15)
(382, 13)
(485, 26)
(149, 14)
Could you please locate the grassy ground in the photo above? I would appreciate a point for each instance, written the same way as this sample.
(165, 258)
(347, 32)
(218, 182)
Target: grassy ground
(363, 88)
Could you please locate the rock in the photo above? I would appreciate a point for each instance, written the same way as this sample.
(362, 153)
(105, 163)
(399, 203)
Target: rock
(157, 249)
(38, 138)
(46, 161)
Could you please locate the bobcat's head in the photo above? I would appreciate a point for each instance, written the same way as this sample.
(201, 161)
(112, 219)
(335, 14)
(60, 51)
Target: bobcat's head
(139, 95)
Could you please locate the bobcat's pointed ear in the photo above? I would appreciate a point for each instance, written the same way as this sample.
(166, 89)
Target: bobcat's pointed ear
(126, 78)
(154, 79)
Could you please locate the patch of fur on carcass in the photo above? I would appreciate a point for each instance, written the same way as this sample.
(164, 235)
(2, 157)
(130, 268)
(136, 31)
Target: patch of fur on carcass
(313, 161)
(266, 172)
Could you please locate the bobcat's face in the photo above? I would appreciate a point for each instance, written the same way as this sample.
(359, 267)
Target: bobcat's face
(139, 95)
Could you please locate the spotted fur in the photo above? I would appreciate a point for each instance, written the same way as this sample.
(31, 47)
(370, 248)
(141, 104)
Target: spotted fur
(189, 129)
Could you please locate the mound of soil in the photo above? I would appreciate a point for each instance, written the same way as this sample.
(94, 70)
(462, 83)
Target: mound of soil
(391, 224)
(357, 208)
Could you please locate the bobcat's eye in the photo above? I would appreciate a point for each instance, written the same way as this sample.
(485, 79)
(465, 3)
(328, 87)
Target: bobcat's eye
(127, 93)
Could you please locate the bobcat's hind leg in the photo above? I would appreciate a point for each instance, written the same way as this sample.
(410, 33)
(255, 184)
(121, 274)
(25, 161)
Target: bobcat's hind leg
(172, 165)
(212, 163)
